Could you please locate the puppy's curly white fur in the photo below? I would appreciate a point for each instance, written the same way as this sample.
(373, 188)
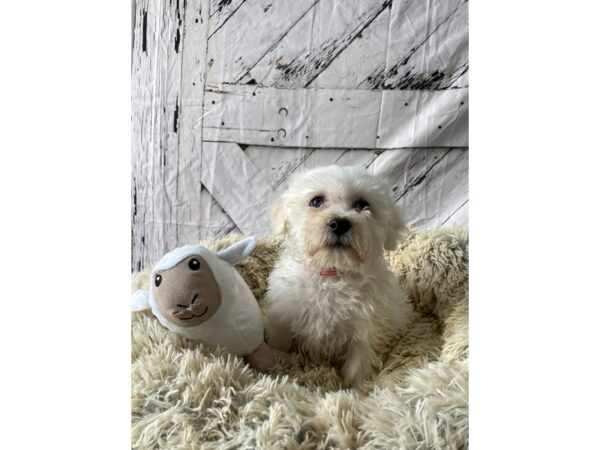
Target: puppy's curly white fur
(332, 291)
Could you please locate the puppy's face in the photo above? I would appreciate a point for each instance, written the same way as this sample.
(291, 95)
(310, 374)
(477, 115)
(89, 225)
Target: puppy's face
(337, 216)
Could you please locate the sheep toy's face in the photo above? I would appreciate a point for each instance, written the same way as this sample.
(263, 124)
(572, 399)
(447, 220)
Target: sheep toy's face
(187, 294)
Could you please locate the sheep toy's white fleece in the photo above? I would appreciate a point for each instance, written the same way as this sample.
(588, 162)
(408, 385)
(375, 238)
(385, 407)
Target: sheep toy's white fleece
(237, 325)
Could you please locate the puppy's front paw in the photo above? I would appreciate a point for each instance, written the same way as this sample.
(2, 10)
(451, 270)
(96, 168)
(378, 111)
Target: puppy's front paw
(277, 334)
(357, 367)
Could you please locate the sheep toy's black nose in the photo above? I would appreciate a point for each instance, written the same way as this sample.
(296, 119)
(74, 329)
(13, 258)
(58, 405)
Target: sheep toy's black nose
(339, 226)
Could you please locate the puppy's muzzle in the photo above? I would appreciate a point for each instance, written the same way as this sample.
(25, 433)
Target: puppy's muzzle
(339, 227)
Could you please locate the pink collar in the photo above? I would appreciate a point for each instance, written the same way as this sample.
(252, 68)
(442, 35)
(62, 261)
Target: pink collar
(330, 272)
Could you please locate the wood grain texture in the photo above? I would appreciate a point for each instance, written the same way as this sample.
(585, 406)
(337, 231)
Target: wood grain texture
(313, 43)
(428, 184)
(337, 117)
(433, 56)
(378, 83)
(233, 180)
(167, 102)
(220, 11)
(244, 40)
(154, 102)
(400, 45)
(190, 203)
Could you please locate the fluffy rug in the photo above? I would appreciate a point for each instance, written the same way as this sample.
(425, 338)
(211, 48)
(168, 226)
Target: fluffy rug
(185, 396)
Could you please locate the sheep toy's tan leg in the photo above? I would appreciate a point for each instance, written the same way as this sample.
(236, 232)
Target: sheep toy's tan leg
(261, 358)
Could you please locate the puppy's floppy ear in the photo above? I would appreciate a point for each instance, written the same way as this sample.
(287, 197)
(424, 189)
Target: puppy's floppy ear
(396, 228)
(279, 219)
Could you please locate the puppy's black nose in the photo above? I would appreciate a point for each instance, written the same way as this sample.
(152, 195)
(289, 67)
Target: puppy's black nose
(339, 226)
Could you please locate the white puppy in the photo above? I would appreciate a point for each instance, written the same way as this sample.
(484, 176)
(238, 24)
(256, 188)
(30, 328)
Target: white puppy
(332, 291)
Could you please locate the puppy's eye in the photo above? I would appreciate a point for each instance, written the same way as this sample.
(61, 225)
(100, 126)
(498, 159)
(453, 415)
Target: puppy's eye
(157, 280)
(194, 264)
(360, 205)
(316, 201)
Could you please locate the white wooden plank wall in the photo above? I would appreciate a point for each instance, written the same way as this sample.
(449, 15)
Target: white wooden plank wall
(231, 97)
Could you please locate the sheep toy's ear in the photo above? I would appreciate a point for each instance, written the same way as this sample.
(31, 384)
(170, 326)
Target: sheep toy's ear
(140, 300)
(238, 251)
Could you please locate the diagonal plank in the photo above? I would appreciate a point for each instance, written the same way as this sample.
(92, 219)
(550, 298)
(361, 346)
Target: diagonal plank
(277, 164)
(430, 185)
(363, 55)
(213, 220)
(314, 42)
(244, 40)
(237, 185)
(460, 216)
(435, 56)
(220, 12)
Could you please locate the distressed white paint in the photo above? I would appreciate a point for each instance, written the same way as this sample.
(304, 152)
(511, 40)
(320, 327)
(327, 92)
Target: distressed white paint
(220, 12)
(167, 97)
(237, 185)
(335, 117)
(193, 177)
(428, 184)
(253, 32)
(190, 204)
(154, 101)
(430, 56)
(315, 41)
(366, 44)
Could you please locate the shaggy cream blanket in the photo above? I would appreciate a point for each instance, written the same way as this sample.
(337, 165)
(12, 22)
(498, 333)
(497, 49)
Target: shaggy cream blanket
(186, 396)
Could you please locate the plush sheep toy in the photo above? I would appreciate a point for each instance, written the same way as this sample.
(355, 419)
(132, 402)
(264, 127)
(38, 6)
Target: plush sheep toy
(199, 295)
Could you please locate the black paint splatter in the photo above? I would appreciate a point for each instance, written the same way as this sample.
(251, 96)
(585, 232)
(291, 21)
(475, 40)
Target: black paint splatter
(418, 180)
(437, 80)
(178, 32)
(134, 198)
(177, 40)
(176, 115)
(418, 81)
(144, 30)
